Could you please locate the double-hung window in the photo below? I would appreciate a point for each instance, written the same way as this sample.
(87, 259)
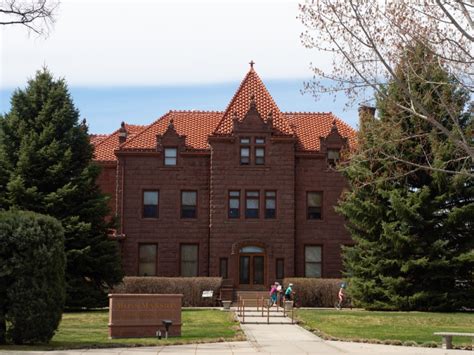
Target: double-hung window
(234, 204)
(252, 204)
(314, 205)
(147, 259)
(312, 259)
(244, 151)
(259, 156)
(150, 204)
(280, 269)
(333, 156)
(188, 204)
(189, 260)
(270, 204)
(170, 156)
(259, 151)
(223, 267)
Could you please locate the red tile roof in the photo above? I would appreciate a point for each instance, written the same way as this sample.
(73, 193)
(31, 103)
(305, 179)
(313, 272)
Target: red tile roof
(97, 138)
(195, 125)
(104, 150)
(252, 85)
(309, 126)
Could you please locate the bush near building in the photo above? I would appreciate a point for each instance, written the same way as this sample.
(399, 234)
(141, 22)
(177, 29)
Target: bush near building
(190, 287)
(314, 292)
(32, 284)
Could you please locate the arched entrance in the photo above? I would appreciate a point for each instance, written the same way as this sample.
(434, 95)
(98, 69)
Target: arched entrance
(251, 266)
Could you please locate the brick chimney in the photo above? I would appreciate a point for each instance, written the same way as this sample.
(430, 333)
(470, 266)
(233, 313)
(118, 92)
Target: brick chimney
(366, 113)
(122, 134)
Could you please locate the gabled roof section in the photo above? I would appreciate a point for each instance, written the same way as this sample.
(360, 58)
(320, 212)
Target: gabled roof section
(309, 126)
(97, 138)
(195, 125)
(252, 86)
(104, 150)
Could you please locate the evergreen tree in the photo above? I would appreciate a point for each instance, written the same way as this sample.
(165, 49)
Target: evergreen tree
(412, 226)
(47, 158)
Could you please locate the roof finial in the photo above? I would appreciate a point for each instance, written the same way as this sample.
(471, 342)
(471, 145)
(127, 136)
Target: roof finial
(251, 64)
(171, 123)
(122, 133)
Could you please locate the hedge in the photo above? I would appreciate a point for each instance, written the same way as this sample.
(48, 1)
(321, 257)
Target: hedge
(190, 287)
(32, 284)
(315, 292)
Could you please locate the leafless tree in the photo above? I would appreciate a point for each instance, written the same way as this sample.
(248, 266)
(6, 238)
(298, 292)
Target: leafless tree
(367, 37)
(36, 15)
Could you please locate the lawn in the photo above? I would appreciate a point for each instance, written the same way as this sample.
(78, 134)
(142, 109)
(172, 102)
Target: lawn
(383, 326)
(89, 330)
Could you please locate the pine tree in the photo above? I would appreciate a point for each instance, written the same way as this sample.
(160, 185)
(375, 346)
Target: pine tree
(412, 226)
(47, 158)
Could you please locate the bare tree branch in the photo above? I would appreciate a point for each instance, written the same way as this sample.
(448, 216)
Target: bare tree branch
(366, 39)
(36, 15)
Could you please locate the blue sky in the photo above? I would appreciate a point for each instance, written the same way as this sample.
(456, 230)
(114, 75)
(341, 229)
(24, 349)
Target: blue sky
(106, 107)
(133, 60)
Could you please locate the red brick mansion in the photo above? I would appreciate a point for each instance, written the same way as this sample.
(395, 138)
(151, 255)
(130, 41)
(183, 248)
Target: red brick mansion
(247, 194)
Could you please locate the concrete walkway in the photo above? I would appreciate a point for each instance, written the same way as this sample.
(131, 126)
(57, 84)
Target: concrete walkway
(274, 338)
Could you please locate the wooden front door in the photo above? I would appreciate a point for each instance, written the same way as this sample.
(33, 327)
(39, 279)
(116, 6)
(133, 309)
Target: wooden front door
(252, 269)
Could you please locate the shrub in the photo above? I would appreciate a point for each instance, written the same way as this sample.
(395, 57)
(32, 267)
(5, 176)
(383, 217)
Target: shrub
(32, 291)
(190, 287)
(313, 292)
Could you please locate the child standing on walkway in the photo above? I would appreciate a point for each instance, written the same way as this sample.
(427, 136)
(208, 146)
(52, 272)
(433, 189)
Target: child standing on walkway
(289, 292)
(273, 292)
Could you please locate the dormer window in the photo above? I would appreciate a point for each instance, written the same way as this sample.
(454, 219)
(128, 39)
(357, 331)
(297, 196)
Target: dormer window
(333, 156)
(170, 156)
(245, 151)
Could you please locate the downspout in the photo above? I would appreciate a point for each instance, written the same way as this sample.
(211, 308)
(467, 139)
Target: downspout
(122, 221)
(209, 221)
(294, 210)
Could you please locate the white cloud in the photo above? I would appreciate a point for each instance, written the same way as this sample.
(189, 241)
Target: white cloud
(109, 42)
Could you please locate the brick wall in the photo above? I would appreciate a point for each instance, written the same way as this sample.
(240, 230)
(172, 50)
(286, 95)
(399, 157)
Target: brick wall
(147, 172)
(212, 174)
(274, 235)
(107, 183)
(313, 174)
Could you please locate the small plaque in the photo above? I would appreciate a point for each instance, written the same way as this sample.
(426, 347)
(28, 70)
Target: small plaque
(207, 294)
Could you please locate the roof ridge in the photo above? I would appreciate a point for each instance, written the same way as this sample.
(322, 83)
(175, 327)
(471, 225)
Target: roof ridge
(144, 130)
(195, 111)
(135, 125)
(308, 113)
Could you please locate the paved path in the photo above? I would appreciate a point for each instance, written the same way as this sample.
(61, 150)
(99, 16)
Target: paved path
(274, 338)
